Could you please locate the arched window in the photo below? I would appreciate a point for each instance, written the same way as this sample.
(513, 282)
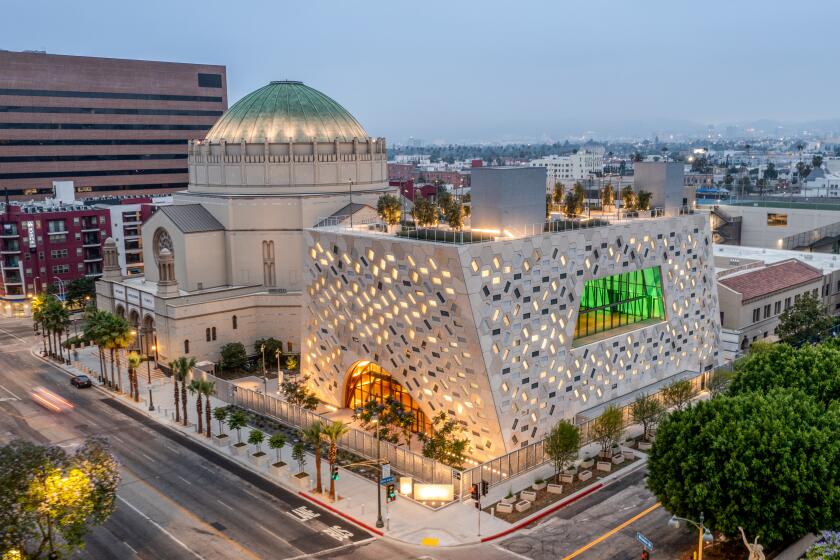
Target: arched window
(234, 322)
(207, 334)
(268, 263)
(368, 381)
(214, 333)
(186, 347)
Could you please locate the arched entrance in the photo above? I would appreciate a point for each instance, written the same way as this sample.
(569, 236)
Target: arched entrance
(367, 380)
(120, 310)
(149, 338)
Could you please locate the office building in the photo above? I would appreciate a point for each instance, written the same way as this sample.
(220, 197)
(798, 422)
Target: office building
(111, 126)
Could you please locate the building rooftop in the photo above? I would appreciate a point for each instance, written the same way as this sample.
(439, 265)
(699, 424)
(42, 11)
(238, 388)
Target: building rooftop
(191, 218)
(737, 255)
(756, 283)
(286, 109)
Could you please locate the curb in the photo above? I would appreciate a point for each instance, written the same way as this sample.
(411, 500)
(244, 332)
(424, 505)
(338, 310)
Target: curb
(340, 513)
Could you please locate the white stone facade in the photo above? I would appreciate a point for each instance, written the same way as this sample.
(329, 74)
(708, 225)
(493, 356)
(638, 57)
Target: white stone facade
(485, 331)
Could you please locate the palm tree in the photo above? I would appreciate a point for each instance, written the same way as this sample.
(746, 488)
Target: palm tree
(173, 367)
(180, 372)
(117, 335)
(134, 361)
(333, 433)
(94, 332)
(314, 436)
(207, 388)
(195, 389)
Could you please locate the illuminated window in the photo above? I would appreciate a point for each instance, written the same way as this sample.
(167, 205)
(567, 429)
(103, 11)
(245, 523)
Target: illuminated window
(368, 381)
(620, 300)
(776, 220)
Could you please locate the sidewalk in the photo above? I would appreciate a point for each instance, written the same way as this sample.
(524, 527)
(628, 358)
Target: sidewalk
(404, 519)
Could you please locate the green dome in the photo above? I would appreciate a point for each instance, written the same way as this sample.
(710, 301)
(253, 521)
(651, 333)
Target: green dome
(286, 109)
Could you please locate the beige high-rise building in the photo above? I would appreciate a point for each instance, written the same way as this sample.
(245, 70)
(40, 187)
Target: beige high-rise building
(284, 158)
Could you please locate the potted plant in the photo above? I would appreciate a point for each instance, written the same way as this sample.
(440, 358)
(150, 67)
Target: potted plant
(255, 438)
(510, 498)
(277, 442)
(220, 414)
(538, 484)
(236, 421)
(299, 455)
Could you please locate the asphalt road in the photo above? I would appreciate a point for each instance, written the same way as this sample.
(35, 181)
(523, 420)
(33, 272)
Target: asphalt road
(176, 499)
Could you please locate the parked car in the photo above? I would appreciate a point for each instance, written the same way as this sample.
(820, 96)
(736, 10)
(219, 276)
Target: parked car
(81, 381)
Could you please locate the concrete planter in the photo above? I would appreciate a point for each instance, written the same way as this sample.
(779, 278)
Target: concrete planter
(524, 505)
(645, 445)
(618, 459)
(239, 449)
(221, 440)
(567, 478)
(509, 501)
(587, 463)
(279, 469)
(584, 475)
(628, 455)
(555, 488)
(302, 480)
(502, 507)
(539, 485)
(529, 495)
(604, 466)
(258, 459)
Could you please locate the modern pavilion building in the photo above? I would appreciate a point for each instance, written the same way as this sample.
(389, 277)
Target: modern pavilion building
(515, 325)
(224, 261)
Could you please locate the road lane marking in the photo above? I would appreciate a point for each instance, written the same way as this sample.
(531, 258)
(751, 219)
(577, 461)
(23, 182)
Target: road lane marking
(278, 537)
(147, 457)
(8, 391)
(131, 548)
(512, 553)
(251, 494)
(164, 531)
(611, 532)
(224, 504)
(4, 331)
(184, 479)
(330, 551)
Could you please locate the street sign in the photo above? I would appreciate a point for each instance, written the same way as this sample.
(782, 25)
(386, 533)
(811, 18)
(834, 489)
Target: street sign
(386, 470)
(386, 480)
(456, 475)
(646, 542)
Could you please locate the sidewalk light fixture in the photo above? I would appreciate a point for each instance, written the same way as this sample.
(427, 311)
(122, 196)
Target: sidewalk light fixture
(705, 536)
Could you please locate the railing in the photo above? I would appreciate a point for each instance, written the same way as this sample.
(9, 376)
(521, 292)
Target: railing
(402, 460)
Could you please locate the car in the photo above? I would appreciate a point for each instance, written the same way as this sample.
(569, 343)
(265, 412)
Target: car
(81, 381)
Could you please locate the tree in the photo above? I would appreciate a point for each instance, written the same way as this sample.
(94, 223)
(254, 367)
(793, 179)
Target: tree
(291, 362)
(116, 335)
(454, 213)
(647, 411)
(94, 332)
(425, 213)
(314, 436)
(389, 209)
(299, 455)
(277, 442)
(233, 356)
(49, 501)
(643, 200)
(728, 179)
(81, 290)
(256, 438)
(333, 432)
(207, 388)
(764, 462)
(562, 444)
(719, 381)
(446, 444)
(678, 394)
(236, 421)
(628, 198)
(296, 391)
(220, 414)
(572, 205)
(607, 196)
(548, 206)
(181, 368)
(770, 171)
(272, 345)
(194, 388)
(807, 320)
(557, 194)
(816, 161)
(607, 428)
(134, 361)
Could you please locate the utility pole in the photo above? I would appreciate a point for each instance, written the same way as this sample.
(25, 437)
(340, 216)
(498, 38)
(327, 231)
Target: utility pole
(379, 523)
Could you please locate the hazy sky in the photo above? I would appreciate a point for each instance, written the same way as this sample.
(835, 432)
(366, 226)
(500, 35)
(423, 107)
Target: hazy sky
(484, 70)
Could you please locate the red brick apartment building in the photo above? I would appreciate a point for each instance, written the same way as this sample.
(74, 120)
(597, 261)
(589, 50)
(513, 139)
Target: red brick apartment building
(113, 127)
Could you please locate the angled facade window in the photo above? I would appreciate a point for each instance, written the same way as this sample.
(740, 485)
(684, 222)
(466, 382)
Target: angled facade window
(620, 300)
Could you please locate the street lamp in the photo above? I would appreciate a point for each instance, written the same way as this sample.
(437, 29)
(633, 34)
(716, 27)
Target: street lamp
(265, 379)
(379, 523)
(705, 536)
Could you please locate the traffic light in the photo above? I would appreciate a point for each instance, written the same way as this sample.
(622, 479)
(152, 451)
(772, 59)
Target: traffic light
(390, 492)
(485, 486)
(334, 472)
(474, 492)
(645, 554)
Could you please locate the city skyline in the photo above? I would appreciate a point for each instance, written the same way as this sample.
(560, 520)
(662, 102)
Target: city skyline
(459, 73)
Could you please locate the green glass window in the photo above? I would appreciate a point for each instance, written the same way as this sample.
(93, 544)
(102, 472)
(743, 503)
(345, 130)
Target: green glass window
(620, 300)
